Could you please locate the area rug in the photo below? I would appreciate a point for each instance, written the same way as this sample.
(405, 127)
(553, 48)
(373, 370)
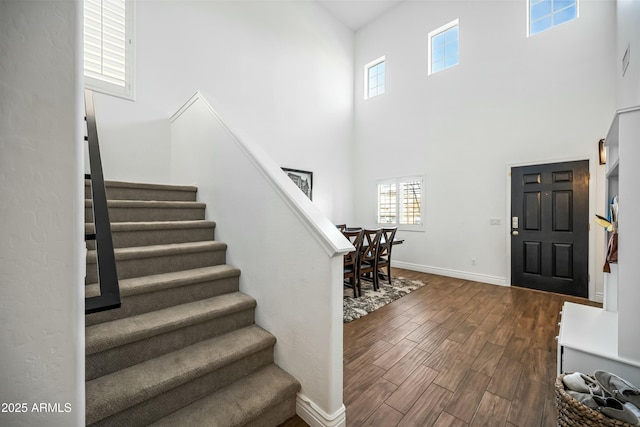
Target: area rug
(370, 300)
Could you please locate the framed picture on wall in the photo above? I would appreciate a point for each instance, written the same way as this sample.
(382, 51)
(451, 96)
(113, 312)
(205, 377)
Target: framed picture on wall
(303, 179)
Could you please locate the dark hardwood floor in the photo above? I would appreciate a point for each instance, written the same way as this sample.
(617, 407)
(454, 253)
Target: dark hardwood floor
(453, 353)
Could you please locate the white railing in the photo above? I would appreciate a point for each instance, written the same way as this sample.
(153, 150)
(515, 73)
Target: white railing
(289, 253)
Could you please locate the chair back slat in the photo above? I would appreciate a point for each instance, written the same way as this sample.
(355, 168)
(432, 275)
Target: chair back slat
(386, 242)
(370, 245)
(355, 238)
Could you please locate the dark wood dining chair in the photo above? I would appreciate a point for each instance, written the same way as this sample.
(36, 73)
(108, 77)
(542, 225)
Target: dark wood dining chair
(351, 261)
(369, 255)
(384, 253)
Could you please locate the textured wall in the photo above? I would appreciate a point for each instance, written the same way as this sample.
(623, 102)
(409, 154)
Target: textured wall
(40, 215)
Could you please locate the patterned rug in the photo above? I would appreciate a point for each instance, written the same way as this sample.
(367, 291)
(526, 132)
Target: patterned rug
(355, 308)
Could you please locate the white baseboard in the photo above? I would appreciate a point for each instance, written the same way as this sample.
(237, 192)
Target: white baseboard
(599, 297)
(316, 417)
(476, 277)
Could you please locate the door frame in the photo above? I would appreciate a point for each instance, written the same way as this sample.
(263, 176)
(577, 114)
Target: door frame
(593, 250)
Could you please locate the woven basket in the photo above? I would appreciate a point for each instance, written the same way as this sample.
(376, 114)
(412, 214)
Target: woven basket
(575, 414)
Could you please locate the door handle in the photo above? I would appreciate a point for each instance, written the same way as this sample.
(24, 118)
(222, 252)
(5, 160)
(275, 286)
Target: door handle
(515, 232)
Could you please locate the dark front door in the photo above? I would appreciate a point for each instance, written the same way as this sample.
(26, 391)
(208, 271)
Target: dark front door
(549, 227)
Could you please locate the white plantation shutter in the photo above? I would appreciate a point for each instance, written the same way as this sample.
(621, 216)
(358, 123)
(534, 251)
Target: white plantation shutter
(410, 202)
(387, 203)
(108, 49)
(400, 202)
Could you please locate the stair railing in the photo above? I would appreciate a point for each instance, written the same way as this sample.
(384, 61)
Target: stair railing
(109, 297)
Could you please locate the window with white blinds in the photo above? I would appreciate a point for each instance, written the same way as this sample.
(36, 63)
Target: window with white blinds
(387, 203)
(400, 202)
(411, 202)
(108, 46)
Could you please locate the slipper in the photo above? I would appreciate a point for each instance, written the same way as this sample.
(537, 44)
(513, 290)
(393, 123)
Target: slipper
(619, 388)
(633, 408)
(582, 383)
(613, 408)
(584, 398)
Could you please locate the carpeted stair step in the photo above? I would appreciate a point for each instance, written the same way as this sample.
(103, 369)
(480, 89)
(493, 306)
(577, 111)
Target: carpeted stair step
(264, 398)
(145, 210)
(116, 345)
(147, 260)
(146, 392)
(129, 234)
(147, 293)
(117, 190)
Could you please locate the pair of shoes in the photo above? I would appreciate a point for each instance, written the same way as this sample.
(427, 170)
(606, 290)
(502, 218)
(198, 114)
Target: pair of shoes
(582, 383)
(584, 398)
(619, 388)
(612, 407)
(601, 391)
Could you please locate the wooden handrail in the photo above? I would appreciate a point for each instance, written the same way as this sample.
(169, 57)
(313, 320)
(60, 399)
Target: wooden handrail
(109, 297)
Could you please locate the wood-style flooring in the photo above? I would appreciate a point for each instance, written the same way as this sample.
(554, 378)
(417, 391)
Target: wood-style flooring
(453, 353)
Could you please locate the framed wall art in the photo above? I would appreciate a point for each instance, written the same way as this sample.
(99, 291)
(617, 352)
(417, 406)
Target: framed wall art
(303, 179)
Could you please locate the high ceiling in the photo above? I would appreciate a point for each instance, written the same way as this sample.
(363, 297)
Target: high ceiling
(355, 14)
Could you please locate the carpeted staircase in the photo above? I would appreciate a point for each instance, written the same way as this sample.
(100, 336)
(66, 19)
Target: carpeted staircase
(183, 350)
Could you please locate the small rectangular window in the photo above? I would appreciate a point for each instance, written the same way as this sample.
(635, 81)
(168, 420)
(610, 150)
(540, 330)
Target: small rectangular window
(387, 203)
(443, 47)
(411, 202)
(400, 202)
(374, 78)
(545, 14)
(108, 46)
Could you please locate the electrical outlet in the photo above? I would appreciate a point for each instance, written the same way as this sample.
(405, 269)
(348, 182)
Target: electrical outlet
(494, 221)
(473, 261)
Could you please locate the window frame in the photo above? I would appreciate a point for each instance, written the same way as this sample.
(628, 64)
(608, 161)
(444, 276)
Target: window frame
(367, 67)
(434, 33)
(99, 85)
(553, 25)
(398, 181)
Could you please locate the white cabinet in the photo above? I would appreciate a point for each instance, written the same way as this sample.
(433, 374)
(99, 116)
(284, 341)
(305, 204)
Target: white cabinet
(608, 338)
(589, 341)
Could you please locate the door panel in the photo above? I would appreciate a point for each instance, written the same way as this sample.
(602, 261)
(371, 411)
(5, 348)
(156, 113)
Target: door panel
(550, 237)
(561, 209)
(532, 256)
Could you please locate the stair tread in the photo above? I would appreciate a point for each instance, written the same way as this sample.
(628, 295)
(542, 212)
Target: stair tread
(115, 333)
(238, 403)
(115, 392)
(149, 204)
(156, 282)
(153, 225)
(143, 185)
(161, 250)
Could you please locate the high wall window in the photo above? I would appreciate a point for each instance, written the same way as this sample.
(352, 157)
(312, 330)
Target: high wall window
(443, 47)
(108, 46)
(400, 202)
(545, 14)
(374, 78)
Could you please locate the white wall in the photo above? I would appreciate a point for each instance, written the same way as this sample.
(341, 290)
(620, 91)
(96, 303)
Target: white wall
(280, 72)
(289, 252)
(511, 100)
(628, 13)
(41, 301)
